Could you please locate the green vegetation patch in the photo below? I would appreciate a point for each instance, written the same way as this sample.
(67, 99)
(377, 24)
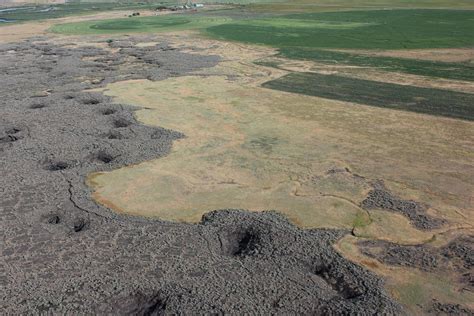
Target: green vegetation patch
(306, 36)
(361, 220)
(455, 71)
(376, 29)
(307, 23)
(306, 6)
(142, 24)
(385, 95)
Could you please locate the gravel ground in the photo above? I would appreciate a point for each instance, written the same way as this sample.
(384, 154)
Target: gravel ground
(62, 253)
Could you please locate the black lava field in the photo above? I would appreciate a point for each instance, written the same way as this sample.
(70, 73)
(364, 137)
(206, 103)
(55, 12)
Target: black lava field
(62, 253)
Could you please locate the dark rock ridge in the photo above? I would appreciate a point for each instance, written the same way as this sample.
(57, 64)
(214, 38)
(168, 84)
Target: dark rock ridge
(380, 197)
(64, 254)
(456, 256)
(438, 308)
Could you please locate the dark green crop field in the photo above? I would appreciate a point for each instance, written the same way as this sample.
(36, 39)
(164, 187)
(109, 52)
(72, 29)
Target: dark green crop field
(385, 95)
(377, 29)
(312, 36)
(455, 71)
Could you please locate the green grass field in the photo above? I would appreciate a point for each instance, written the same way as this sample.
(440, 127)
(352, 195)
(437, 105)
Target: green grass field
(377, 29)
(386, 95)
(305, 6)
(304, 36)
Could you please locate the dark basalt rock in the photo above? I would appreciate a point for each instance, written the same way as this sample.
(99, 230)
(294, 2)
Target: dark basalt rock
(380, 197)
(65, 254)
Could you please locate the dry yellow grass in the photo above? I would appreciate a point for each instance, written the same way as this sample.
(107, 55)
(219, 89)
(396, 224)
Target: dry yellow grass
(253, 148)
